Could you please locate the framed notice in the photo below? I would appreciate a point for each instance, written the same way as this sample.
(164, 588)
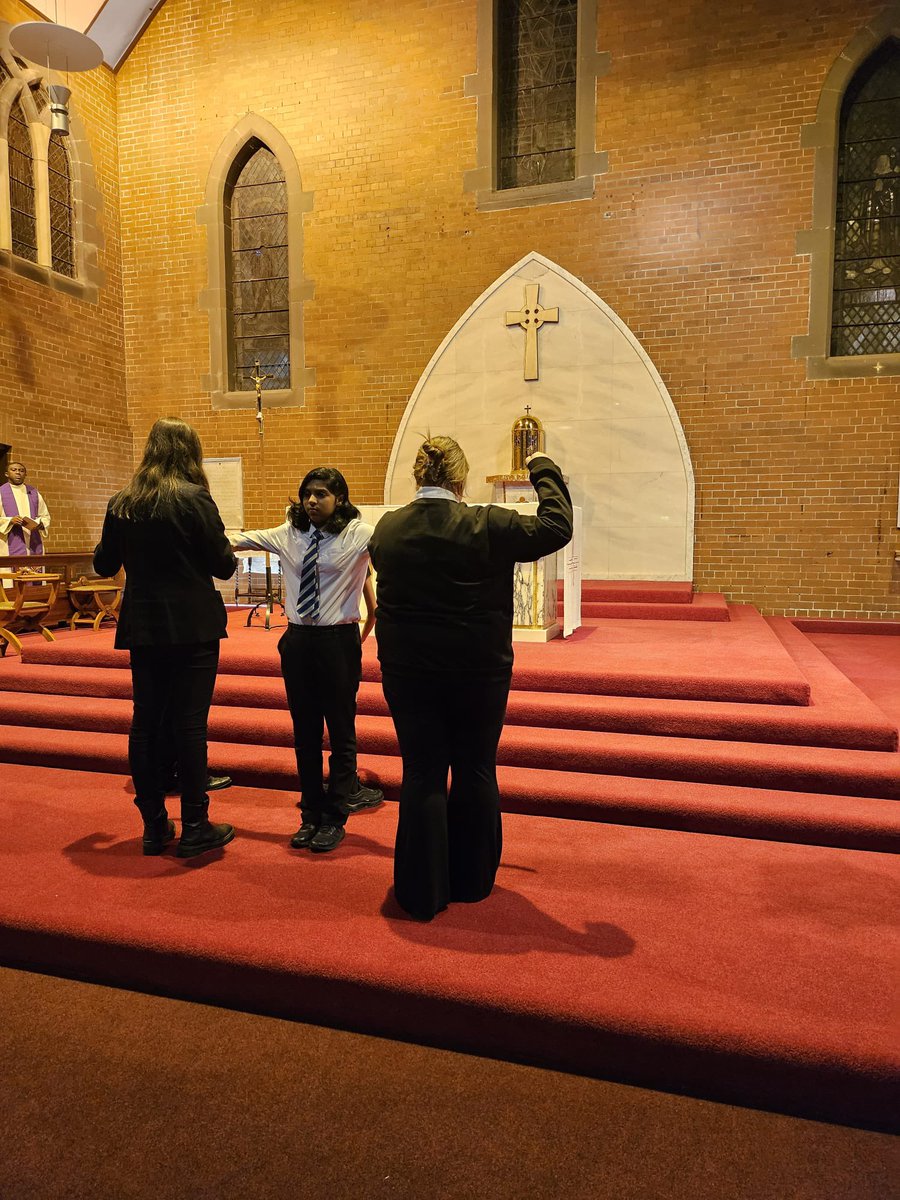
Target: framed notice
(226, 486)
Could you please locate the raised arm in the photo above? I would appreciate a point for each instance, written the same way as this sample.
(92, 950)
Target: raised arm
(525, 539)
(259, 539)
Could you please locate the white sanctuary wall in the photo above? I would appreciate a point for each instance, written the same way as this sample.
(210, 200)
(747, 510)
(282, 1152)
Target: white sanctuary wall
(608, 417)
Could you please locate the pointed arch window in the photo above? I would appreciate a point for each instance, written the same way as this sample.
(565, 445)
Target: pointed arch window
(62, 243)
(50, 204)
(21, 185)
(537, 52)
(866, 305)
(536, 88)
(256, 241)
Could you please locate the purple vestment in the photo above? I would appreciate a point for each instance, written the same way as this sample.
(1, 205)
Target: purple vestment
(15, 539)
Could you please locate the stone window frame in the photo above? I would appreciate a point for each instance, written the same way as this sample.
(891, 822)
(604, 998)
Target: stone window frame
(87, 201)
(214, 298)
(823, 137)
(592, 65)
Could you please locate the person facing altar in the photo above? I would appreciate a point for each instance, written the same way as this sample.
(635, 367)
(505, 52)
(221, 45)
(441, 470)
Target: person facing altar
(24, 516)
(444, 631)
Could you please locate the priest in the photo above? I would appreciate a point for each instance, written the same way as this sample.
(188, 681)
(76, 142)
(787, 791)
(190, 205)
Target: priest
(24, 517)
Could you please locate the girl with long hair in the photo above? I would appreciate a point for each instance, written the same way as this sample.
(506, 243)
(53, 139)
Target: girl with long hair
(165, 530)
(323, 547)
(445, 611)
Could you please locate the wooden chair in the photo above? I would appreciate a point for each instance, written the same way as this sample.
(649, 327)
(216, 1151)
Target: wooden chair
(26, 596)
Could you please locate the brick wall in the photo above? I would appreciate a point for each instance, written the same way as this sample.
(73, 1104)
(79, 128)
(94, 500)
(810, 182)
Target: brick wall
(690, 238)
(62, 376)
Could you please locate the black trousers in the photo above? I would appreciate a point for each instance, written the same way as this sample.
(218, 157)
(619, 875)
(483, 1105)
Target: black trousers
(322, 667)
(448, 840)
(172, 688)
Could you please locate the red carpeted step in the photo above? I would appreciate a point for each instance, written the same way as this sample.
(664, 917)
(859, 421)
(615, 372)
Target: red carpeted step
(845, 725)
(741, 970)
(739, 660)
(706, 606)
(839, 714)
(832, 625)
(633, 591)
(854, 822)
(746, 764)
(709, 805)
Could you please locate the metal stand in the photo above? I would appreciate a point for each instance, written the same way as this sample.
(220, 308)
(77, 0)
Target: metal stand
(269, 601)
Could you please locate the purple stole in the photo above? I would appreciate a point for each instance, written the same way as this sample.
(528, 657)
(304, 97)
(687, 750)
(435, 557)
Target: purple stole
(15, 539)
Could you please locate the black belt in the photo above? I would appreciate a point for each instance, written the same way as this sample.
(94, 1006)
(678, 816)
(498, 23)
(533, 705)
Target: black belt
(320, 630)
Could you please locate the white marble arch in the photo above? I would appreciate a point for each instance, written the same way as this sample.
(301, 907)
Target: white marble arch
(609, 420)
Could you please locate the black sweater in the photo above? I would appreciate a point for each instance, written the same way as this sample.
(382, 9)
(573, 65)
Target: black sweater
(445, 577)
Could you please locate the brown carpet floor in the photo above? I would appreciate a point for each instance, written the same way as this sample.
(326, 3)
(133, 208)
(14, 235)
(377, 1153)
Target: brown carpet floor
(115, 1095)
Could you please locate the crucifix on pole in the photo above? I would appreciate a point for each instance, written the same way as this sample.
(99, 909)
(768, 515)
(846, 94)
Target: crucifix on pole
(531, 318)
(258, 381)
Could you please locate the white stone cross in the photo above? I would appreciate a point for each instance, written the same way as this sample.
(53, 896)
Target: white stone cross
(531, 318)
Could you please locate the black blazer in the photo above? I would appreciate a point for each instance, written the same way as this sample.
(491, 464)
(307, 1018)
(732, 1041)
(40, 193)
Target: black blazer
(445, 576)
(170, 598)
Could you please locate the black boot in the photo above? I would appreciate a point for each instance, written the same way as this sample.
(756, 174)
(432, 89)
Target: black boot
(198, 834)
(158, 829)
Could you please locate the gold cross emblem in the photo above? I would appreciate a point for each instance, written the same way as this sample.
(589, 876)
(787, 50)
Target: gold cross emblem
(531, 318)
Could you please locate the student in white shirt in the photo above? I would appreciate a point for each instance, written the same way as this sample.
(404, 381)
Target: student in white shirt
(323, 547)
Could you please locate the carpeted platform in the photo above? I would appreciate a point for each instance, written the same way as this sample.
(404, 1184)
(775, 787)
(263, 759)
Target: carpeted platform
(739, 660)
(735, 969)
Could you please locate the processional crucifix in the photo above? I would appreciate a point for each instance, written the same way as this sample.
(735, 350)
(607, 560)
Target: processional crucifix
(531, 318)
(270, 601)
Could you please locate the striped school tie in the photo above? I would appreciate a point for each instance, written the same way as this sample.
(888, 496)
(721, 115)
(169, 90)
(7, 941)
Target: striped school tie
(308, 600)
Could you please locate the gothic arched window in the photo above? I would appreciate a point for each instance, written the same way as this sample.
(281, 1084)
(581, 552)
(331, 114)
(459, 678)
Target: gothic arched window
(256, 253)
(866, 302)
(21, 185)
(62, 243)
(537, 51)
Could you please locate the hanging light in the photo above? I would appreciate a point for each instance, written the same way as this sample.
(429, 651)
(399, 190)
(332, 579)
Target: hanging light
(59, 48)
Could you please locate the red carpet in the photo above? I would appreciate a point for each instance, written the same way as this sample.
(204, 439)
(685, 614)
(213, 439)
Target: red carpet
(826, 772)
(739, 660)
(736, 969)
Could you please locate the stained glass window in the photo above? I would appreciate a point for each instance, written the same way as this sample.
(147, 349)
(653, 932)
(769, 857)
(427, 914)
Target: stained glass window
(21, 185)
(866, 307)
(257, 252)
(537, 42)
(61, 241)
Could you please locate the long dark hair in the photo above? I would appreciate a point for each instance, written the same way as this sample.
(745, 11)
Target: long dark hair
(173, 457)
(344, 511)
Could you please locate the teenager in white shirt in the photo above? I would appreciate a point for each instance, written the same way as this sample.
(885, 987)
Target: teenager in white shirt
(323, 547)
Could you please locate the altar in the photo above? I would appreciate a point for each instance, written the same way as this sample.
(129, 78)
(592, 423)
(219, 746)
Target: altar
(537, 614)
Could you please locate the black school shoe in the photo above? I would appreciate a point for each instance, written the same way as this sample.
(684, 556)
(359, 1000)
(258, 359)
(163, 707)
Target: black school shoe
(304, 835)
(328, 837)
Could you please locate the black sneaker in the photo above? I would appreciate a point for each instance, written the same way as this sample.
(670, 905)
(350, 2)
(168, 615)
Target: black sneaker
(363, 797)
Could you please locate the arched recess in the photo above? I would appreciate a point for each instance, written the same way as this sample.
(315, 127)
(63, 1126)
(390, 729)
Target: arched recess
(608, 416)
(87, 200)
(818, 241)
(214, 299)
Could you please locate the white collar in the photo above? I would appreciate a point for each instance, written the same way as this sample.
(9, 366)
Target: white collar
(436, 493)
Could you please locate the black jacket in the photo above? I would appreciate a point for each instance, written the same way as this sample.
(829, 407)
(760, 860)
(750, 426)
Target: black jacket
(445, 577)
(170, 598)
